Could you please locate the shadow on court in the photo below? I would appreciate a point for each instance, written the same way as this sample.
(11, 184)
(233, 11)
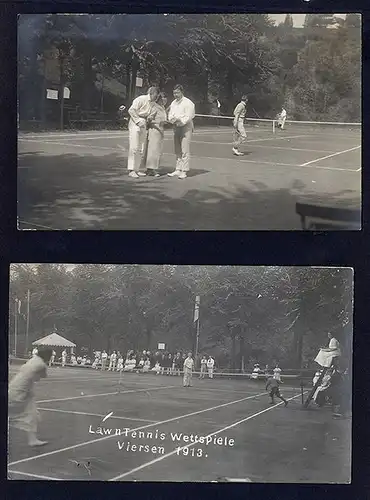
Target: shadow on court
(72, 191)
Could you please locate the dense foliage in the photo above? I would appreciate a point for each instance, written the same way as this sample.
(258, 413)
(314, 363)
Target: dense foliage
(265, 313)
(315, 71)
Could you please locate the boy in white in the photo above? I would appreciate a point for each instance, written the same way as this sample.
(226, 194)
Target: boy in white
(210, 365)
(139, 112)
(188, 370)
(240, 134)
(34, 351)
(52, 359)
(112, 361)
(64, 358)
(203, 367)
(282, 118)
(277, 373)
(104, 357)
(181, 115)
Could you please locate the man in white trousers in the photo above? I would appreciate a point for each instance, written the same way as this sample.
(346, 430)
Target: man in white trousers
(139, 112)
(181, 115)
(282, 118)
(240, 134)
(210, 366)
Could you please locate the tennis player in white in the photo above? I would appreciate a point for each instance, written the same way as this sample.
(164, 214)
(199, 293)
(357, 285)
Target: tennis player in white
(181, 115)
(139, 112)
(240, 134)
(282, 118)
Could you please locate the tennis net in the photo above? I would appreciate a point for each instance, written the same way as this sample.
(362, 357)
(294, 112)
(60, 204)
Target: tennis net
(217, 123)
(319, 127)
(261, 125)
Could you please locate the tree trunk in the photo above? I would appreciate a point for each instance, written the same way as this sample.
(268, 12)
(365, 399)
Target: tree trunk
(297, 348)
(135, 68)
(241, 344)
(102, 95)
(128, 84)
(61, 91)
(233, 351)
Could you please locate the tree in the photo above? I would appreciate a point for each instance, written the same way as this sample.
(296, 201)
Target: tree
(288, 22)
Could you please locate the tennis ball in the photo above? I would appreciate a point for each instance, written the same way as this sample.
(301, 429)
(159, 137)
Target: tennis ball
(82, 393)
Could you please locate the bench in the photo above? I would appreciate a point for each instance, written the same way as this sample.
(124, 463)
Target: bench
(322, 218)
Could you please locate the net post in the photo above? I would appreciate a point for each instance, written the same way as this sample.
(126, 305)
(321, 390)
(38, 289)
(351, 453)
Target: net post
(273, 127)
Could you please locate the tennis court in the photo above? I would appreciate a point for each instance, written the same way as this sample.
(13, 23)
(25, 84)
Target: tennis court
(78, 180)
(248, 438)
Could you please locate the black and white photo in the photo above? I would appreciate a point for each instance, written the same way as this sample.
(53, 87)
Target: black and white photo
(180, 373)
(189, 121)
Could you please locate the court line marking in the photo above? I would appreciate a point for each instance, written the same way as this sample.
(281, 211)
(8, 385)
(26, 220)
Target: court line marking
(269, 147)
(97, 415)
(97, 440)
(71, 145)
(228, 159)
(107, 394)
(34, 224)
(329, 156)
(38, 476)
(159, 459)
(271, 163)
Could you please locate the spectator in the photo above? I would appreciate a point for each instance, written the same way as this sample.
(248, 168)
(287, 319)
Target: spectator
(210, 366)
(104, 357)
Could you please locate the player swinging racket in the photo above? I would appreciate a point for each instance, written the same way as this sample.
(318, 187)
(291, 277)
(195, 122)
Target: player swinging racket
(281, 119)
(240, 134)
(272, 386)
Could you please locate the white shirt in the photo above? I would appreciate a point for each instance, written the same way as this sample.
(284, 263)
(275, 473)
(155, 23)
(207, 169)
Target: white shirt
(240, 111)
(141, 108)
(182, 111)
(283, 113)
(104, 355)
(189, 363)
(277, 372)
(334, 346)
(203, 361)
(113, 356)
(210, 363)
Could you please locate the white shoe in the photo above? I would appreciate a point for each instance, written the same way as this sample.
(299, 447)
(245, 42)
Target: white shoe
(237, 153)
(133, 174)
(37, 442)
(141, 174)
(183, 175)
(175, 173)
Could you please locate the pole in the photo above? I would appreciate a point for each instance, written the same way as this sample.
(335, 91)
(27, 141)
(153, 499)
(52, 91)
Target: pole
(197, 342)
(15, 326)
(196, 320)
(302, 391)
(28, 320)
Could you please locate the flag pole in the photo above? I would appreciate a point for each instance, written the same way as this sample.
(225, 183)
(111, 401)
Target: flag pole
(196, 319)
(28, 319)
(15, 326)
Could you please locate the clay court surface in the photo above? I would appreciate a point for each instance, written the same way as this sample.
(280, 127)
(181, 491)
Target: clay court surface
(271, 443)
(78, 180)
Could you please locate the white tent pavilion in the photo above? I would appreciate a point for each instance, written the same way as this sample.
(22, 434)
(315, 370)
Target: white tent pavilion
(54, 340)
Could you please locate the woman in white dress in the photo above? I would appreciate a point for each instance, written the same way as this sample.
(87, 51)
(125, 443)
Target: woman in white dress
(156, 122)
(23, 413)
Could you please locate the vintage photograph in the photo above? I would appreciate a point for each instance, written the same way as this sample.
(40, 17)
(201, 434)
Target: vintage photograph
(189, 122)
(180, 373)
